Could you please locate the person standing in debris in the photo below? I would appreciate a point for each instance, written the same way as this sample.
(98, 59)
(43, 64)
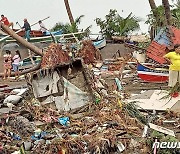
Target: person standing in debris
(27, 29)
(174, 69)
(15, 64)
(42, 27)
(6, 21)
(7, 64)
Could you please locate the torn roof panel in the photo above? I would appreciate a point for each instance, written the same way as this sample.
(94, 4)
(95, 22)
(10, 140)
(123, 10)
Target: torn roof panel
(176, 35)
(163, 37)
(156, 52)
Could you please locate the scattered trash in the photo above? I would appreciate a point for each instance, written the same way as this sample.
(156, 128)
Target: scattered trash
(162, 129)
(79, 103)
(14, 99)
(64, 121)
(14, 136)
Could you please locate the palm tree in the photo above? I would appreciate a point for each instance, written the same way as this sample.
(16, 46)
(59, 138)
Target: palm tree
(68, 9)
(152, 4)
(115, 25)
(128, 25)
(155, 11)
(72, 28)
(167, 12)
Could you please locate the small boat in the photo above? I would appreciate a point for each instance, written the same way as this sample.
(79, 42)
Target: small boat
(38, 33)
(33, 33)
(99, 44)
(150, 73)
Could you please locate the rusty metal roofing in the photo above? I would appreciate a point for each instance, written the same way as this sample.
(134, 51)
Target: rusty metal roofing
(165, 38)
(176, 35)
(156, 52)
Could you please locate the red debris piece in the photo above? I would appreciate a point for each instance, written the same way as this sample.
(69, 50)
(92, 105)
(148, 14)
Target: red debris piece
(89, 53)
(157, 51)
(175, 94)
(176, 35)
(54, 56)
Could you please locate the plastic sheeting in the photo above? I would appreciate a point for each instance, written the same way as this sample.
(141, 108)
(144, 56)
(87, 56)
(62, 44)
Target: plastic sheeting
(72, 96)
(45, 85)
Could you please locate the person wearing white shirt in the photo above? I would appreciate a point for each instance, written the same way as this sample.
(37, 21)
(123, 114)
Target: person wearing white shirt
(42, 27)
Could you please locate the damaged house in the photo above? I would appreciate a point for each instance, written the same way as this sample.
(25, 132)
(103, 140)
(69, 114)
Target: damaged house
(60, 82)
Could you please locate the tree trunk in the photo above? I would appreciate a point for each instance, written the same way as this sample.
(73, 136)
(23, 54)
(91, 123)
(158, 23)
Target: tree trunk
(153, 7)
(153, 27)
(152, 4)
(26, 44)
(33, 48)
(167, 12)
(71, 19)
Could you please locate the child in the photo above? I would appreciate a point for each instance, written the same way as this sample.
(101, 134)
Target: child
(15, 64)
(7, 64)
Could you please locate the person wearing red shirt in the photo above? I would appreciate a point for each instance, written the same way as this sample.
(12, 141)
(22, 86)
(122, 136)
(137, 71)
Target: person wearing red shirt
(6, 21)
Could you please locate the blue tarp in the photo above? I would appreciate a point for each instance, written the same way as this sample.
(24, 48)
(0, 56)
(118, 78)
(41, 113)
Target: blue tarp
(54, 33)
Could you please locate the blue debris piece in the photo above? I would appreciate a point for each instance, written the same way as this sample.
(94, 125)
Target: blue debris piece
(64, 121)
(14, 136)
(41, 135)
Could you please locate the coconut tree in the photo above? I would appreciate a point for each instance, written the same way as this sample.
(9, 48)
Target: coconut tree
(70, 28)
(115, 25)
(152, 4)
(153, 7)
(68, 9)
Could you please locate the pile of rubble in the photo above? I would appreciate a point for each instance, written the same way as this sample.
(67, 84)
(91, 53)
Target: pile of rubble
(53, 56)
(81, 106)
(88, 52)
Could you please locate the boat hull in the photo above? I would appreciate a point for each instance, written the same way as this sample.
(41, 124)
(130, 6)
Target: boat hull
(151, 74)
(33, 33)
(100, 43)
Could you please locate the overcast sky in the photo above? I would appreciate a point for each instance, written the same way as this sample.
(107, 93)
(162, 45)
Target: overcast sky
(34, 10)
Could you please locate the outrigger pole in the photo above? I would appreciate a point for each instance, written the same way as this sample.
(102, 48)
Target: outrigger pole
(2, 39)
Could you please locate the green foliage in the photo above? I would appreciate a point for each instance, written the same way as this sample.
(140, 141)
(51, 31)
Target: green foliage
(115, 25)
(176, 16)
(61, 26)
(159, 11)
(132, 110)
(144, 44)
(71, 28)
(160, 21)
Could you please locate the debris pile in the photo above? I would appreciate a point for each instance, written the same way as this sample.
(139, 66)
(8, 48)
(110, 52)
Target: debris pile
(89, 53)
(83, 106)
(54, 56)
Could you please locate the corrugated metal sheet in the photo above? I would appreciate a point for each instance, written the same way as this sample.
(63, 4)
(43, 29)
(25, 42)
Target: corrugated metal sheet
(156, 52)
(176, 35)
(165, 38)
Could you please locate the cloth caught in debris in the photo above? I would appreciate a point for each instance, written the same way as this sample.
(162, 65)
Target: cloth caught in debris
(73, 97)
(46, 85)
